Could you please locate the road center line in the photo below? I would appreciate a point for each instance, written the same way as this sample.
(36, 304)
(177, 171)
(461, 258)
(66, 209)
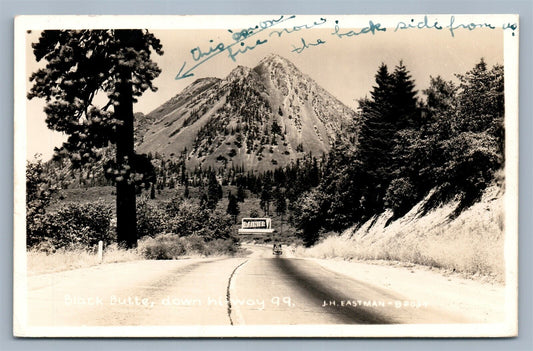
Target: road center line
(228, 295)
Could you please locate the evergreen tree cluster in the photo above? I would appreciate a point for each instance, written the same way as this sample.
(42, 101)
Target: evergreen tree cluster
(451, 142)
(301, 175)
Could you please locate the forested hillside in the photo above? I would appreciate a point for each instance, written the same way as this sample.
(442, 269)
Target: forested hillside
(450, 141)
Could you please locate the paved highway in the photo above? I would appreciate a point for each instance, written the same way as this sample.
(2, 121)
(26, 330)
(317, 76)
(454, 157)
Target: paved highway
(259, 289)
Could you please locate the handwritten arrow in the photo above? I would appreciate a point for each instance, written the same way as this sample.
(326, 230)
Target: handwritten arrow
(264, 25)
(186, 74)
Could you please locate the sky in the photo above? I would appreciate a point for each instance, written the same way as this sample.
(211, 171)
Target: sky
(345, 66)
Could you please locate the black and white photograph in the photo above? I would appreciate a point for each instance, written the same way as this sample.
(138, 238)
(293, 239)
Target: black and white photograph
(266, 176)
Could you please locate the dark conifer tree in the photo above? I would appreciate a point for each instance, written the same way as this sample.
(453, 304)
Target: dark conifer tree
(280, 201)
(375, 144)
(186, 191)
(81, 63)
(403, 99)
(214, 191)
(233, 207)
(241, 194)
(152, 191)
(266, 198)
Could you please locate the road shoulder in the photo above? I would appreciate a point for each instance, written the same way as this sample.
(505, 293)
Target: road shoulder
(474, 300)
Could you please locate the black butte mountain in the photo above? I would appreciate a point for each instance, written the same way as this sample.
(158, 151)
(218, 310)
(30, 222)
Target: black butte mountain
(258, 118)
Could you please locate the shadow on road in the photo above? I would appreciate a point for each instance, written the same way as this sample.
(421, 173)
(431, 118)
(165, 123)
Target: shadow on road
(317, 287)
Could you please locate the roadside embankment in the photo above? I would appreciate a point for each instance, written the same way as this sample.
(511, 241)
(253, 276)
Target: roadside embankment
(471, 244)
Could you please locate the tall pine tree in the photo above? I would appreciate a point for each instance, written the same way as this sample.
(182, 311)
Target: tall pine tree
(85, 64)
(406, 112)
(233, 207)
(375, 142)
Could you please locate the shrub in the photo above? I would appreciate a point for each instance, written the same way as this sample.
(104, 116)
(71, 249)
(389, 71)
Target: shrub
(220, 247)
(194, 244)
(75, 225)
(218, 227)
(471, 161)
(400, 196)
(162, 247)
(185, 218)
(171, 246)
(195, 230)
(309, 216)
(150, 219)
(39, 190)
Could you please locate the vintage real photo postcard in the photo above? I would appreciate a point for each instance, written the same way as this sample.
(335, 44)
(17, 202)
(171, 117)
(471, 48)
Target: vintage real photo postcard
(266, 176)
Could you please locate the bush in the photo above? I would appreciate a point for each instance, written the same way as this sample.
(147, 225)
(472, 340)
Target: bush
(218, 227)
(39, 190)
(171, 246)
(185, 218)
(193, 244)
(183, 227)
(75, 225)
(150, 219)
(220, 247)
(162, 247)
(309, 216)
(471, 161)
(400, 196)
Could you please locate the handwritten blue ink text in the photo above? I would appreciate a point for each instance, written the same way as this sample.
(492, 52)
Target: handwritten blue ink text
(418, 25)
(469, 26)
(306, 45)
(372, 28)
(297, 28)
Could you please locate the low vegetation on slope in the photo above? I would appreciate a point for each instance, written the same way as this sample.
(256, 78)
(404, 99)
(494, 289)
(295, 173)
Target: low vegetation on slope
(471, 243)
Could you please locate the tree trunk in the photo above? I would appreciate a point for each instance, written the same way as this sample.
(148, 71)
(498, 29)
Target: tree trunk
(126, 209)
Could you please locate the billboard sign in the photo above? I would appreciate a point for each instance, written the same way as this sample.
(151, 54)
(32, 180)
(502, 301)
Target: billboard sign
(256, 226)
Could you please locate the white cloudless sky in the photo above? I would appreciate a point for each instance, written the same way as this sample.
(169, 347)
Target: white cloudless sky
(343, 66)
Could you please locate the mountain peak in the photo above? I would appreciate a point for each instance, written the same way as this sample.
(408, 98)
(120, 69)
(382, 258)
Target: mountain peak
(259, 118)
(238, 73)
(275, 58)
(274, 61)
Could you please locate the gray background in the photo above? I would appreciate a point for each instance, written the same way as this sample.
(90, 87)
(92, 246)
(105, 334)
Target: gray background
(10, 8)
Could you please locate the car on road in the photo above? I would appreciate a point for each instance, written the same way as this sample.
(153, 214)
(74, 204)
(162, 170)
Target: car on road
(277, 250)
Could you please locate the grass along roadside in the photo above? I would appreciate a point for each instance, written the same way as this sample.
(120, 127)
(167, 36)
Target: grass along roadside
(40, 262)
(471, 244)
(160, 247)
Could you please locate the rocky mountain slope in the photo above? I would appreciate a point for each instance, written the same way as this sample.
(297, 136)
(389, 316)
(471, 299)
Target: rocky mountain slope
(259, 118)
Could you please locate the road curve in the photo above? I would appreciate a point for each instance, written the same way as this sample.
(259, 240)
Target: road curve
(261, 289)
